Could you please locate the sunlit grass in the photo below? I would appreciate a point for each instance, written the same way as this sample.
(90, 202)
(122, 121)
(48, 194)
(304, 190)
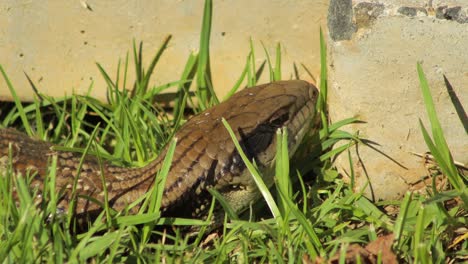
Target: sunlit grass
(310, 213)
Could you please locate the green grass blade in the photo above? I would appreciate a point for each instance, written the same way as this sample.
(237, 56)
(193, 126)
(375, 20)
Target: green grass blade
(309, 73)
(419, 250)
(438, 156)
(283, 183)
(183, 89)
(18, 104)
(98, 246)
(40, 130)
(255, 174)
(251, 74)
(154, 61)
(400, 222)
(236, 86)
(339, 124)
(277, 71)
(203, 66)
(431, 112)
(111, 85)
(162, 176)
(308, 228)
(270, 65)
(321, 104)
(438, 145)
(137, 57)
(222, 201)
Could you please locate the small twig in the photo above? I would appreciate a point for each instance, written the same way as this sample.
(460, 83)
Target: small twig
(430, 157)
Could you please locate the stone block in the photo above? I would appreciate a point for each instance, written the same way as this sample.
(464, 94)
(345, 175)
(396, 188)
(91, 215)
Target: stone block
(372, 75)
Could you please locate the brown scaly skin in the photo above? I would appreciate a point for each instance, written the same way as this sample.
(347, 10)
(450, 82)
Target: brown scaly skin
(205, 156)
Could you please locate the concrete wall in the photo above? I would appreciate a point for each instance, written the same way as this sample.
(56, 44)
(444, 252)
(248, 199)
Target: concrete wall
(374, 48)
(58, 42)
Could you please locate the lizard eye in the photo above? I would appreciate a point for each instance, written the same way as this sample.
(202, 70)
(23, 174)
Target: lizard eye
(278, 119)
(259, 141)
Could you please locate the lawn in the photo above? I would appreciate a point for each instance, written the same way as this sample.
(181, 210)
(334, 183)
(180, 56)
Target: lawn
(311, 215)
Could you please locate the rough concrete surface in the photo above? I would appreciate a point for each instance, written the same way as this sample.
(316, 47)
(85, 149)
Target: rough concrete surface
(57, 43)
(373, 76)
(341, 23)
